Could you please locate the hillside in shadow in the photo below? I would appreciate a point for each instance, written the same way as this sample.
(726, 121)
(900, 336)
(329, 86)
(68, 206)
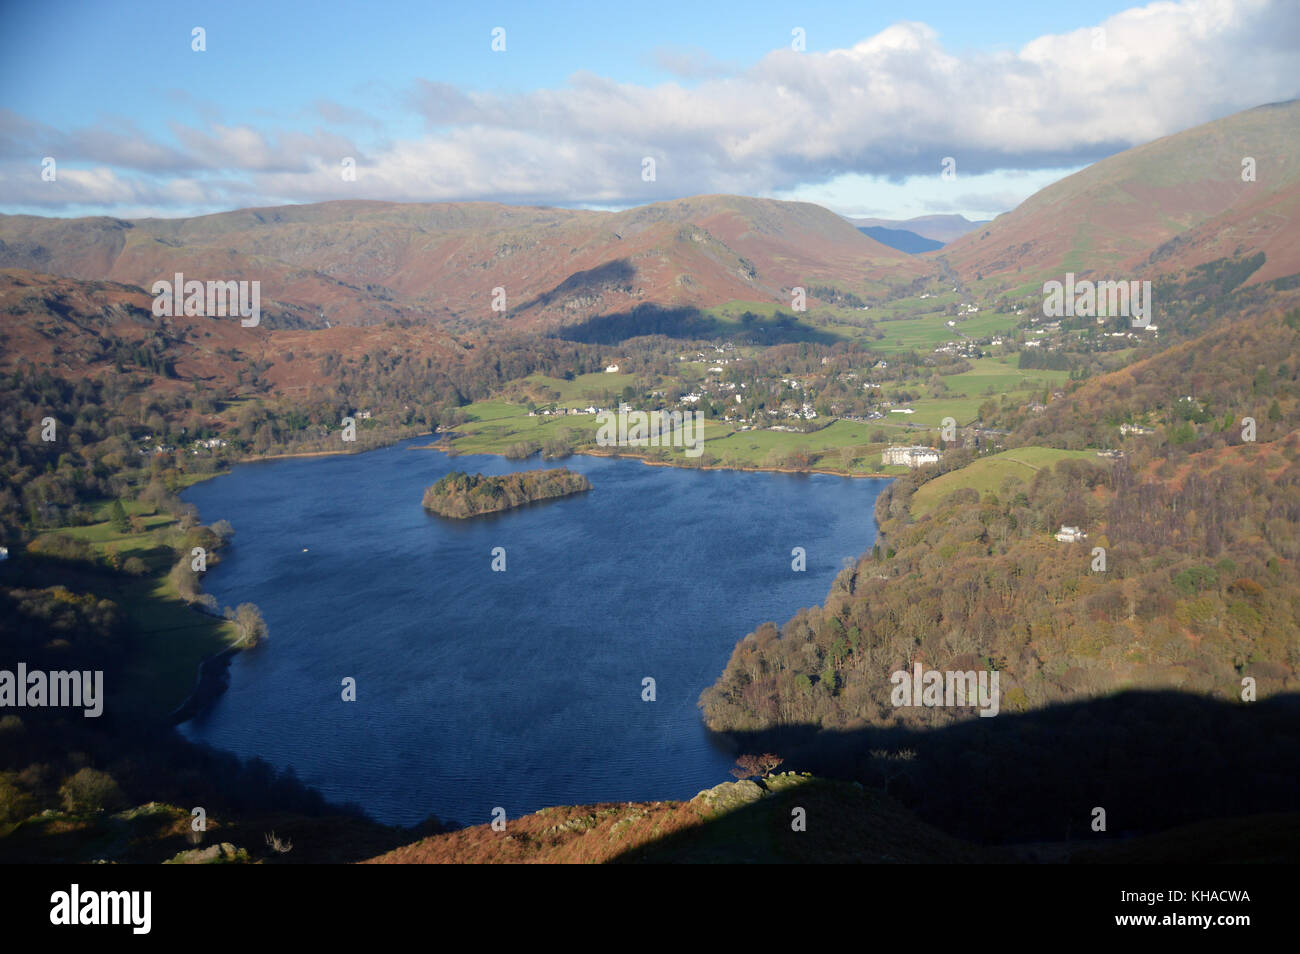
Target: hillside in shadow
(692, 324)
(1152, 760)
(1183, 780)
(615, 274)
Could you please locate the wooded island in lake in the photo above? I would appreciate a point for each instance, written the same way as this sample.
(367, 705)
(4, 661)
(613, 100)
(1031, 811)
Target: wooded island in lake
(468, 495)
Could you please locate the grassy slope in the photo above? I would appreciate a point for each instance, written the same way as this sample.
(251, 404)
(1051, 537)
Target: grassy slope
(1002, 376)
(170, 638)
(931, 331)
(987, 474)
(734, 822)
(754, 447)
(584, 388)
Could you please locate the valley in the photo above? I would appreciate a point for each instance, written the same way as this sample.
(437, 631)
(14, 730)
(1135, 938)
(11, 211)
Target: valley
(1000, 446)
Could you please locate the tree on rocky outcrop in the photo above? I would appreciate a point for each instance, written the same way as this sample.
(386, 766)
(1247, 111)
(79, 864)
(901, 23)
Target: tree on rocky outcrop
(749, 766)
(89, 791)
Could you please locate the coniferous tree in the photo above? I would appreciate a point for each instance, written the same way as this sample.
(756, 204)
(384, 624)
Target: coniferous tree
(117, 515)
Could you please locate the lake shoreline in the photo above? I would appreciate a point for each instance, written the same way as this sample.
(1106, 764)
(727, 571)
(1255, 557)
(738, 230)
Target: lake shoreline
(213, 676)
(559, 557)
(212, 682)
(756, 469)
(732, 467)
(586, 452)
(253, 459)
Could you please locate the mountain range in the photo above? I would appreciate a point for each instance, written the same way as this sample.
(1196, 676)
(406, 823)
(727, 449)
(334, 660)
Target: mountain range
(361, 262)
(941, 228)
(1159, 209)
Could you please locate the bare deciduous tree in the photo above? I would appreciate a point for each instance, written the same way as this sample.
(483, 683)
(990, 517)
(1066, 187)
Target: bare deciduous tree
(248, 620)
(748, 766)
(278, 845)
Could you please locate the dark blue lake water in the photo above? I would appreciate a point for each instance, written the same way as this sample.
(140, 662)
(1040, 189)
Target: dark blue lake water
(520, 688)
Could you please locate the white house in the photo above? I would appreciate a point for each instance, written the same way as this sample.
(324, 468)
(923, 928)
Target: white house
(1070, 534)
(914, 456)
(612, 369)
(1127, 429)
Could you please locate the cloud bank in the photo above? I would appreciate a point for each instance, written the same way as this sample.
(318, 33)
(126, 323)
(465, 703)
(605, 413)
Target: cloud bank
(892, 106)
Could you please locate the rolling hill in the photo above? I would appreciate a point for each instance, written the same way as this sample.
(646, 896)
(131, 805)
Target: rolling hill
(1164, 207)
(363, 262)
(1161, 208)
(91, 329)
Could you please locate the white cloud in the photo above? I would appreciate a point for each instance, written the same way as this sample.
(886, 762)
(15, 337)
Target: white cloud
(887, 108)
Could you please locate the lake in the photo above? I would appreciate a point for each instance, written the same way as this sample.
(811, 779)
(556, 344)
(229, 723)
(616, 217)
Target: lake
(523, 688)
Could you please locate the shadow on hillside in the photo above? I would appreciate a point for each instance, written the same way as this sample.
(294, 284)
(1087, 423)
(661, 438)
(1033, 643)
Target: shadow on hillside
(841, 823)
(617, 274)
(1153, 760)
(692, 324)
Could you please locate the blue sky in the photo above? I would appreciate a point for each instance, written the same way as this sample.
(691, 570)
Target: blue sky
(860, 119)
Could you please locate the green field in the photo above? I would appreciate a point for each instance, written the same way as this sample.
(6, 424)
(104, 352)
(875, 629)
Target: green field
(755, 448)
(931, 331)
(987, 474)
(170, 638)
(494, 426)
(489, 411)
(986, 324)
(913, 306)
(584, 388)
(1003, 377)
(930, 412)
